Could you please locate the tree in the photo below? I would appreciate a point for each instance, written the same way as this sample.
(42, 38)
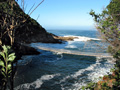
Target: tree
(11, 18)
(9, 21)
(108, 24)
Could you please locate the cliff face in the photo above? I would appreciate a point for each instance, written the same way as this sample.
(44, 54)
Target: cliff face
(26, 31)
(33, 32)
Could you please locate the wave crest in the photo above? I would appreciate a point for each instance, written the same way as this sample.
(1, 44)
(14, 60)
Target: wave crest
(83, 38)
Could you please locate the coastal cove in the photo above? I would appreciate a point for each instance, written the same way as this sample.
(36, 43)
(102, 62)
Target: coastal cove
(59, 71)
(59, 49)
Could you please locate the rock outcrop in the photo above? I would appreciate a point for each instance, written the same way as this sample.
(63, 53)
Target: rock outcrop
(68, 38)
(33, 32)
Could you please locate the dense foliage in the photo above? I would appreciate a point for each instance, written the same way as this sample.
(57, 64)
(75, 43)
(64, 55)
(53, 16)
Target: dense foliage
(6, 64)
(9, 21)
(108, 24)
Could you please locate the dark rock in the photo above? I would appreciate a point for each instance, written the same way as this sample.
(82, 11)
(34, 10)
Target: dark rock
(21, 50)
(31, 33)
(70, 38)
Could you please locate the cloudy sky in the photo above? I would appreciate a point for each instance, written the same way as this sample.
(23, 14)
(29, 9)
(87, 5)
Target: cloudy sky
(65, 14)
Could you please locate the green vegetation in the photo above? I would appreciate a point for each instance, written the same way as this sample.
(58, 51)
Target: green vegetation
(90, 86)
(6, 62)
(13, 22)
(11, 18)
(108, 24)
(14, 25)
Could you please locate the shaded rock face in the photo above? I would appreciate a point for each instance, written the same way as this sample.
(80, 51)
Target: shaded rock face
(24, 50)
(33, 32)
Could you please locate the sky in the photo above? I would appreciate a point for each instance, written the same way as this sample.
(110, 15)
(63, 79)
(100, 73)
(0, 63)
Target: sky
(65, 14)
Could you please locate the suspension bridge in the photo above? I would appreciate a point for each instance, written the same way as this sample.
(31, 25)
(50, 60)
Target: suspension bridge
(63, 51)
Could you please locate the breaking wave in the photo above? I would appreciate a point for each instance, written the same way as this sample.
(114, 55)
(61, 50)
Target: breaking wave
(83, 38)
(36, 84)
(72, 81)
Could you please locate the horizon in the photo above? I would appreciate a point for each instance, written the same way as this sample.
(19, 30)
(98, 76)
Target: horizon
(68, 14)
(89, 28)
(70, 29)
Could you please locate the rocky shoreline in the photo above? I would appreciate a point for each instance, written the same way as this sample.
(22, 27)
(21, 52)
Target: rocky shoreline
(68, 38)
(27, 50)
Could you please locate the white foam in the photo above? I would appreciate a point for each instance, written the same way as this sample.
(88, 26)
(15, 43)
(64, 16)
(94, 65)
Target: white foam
(36, 84)
(97, 71)
(83, 38)
(70, 46)
(66, 45)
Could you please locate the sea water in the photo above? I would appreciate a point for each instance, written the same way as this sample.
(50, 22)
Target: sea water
(54, 69)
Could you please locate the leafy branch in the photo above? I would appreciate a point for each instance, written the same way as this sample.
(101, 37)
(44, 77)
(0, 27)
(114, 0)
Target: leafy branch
(6, 63)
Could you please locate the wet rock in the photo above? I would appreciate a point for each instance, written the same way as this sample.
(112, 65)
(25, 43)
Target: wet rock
(69, 38)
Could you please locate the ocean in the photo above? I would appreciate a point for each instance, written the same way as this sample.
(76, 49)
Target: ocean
(61, 66)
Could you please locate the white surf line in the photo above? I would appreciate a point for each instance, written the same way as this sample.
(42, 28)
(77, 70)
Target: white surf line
(75, 52)
(36, 84)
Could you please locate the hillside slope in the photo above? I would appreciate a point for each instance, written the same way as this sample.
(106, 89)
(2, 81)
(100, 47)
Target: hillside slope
(22, 28)
(26, 32)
